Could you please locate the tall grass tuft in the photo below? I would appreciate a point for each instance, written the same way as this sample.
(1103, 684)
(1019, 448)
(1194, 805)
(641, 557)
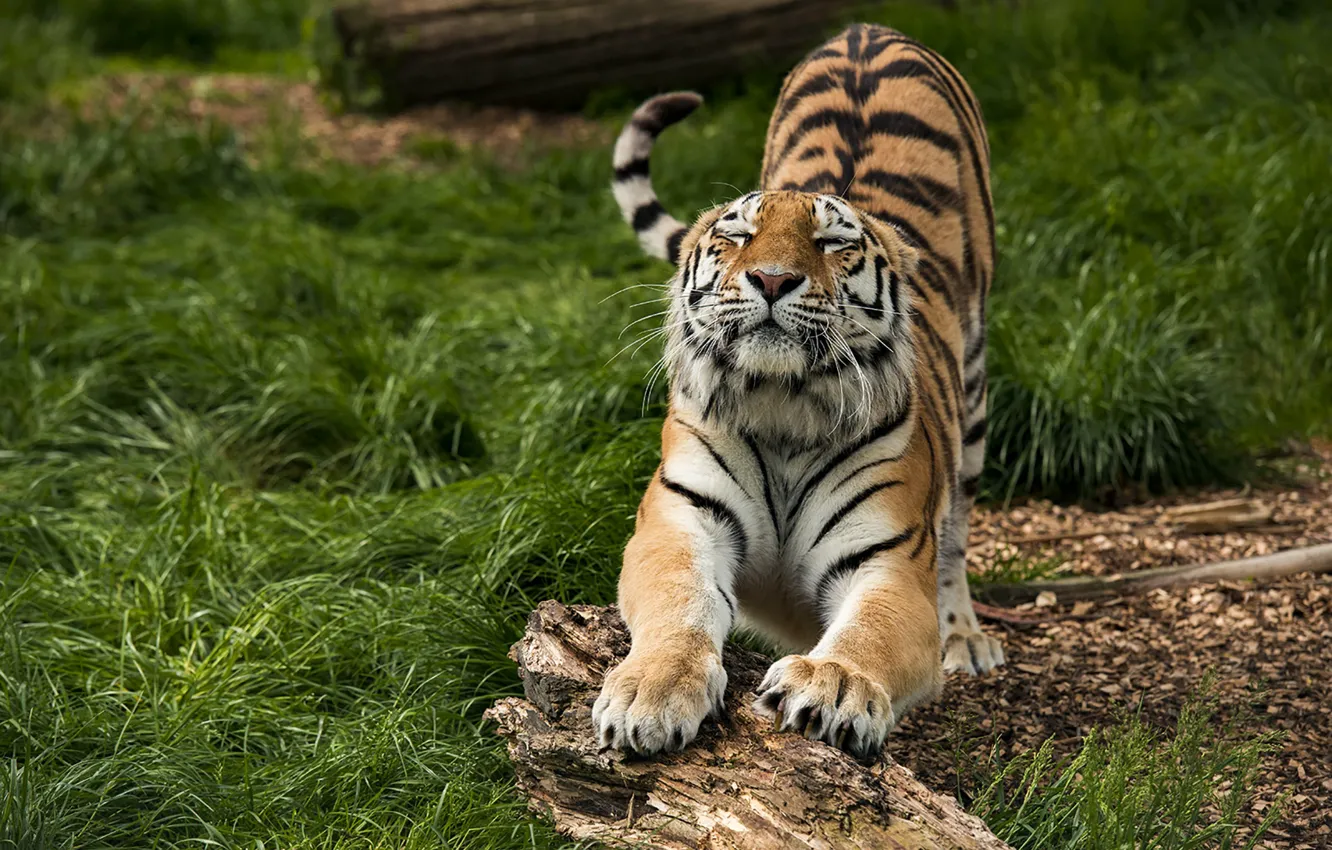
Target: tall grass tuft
(1129, 786)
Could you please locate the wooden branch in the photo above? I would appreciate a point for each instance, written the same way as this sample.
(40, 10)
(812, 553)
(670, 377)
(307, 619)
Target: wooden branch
(741, 787)
(1009, 616)
(553, 53)
(1213, 517)
(1056, 536)
(1312, 559)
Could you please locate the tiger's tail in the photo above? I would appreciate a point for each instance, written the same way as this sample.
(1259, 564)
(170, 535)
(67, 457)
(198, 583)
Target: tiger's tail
(658, 231)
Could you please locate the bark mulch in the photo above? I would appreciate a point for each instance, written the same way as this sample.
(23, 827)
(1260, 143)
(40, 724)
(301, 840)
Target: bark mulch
(1268, 646)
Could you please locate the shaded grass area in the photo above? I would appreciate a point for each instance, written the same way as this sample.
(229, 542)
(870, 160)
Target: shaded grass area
(287, 455)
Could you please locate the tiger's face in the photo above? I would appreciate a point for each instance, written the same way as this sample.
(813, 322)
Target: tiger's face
(794, 296)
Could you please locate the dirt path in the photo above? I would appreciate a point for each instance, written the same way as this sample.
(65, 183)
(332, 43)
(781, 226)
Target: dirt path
(259, 106)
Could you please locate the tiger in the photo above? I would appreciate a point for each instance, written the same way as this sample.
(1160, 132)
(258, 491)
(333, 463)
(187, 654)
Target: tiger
(825, 429)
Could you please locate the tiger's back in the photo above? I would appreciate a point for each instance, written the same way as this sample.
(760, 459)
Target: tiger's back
(879, 119)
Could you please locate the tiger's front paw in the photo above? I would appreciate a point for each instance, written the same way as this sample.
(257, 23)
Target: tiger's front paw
(656, 699)
(827, 700)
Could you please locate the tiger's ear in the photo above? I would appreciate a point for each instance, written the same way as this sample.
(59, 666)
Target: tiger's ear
(901, 253)
(689, 238)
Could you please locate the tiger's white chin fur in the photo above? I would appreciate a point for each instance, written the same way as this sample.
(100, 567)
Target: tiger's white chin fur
(770, 352)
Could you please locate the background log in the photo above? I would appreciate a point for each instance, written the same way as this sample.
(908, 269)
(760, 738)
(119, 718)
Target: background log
(553, 53)
(742, 787)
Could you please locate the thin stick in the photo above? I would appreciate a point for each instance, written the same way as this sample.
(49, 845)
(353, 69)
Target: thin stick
(1310, 559)
(1056, 536)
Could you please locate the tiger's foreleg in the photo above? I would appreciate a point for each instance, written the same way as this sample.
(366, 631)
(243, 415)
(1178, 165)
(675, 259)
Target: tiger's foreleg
(878, 657)
(676, 597)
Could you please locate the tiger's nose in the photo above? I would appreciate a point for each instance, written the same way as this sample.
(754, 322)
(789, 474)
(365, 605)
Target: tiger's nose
(774, 286)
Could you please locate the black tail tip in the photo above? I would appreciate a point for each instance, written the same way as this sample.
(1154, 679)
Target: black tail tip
(660, 112)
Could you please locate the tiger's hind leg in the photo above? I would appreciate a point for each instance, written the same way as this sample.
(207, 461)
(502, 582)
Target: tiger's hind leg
(965, 646)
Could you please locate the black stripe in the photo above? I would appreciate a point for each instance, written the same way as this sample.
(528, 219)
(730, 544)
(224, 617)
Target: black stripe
(845, 510)
(901, 69)
(975, 434)
(864, 466)
(673, 245)
(900, 187)
(928, 412)
(728, 599)
(848, 124)
(946, 353)
(947, 392)
(647, 215)
(824, 82)
(920, 292)
(823, 183)
(884, 428)
(978, 168)
(976, 346)
(632, 168)
(767, 489)
(710, 405)
(944, 195)
(971, 486)
(906, 125)
(881, 38)
(853, 34)
(874, 308)
(932, 276)
(856, 560)
(719, 510)
(957, 89)
(916, 189)
(826, 52)
(975, 383)
(716, 456)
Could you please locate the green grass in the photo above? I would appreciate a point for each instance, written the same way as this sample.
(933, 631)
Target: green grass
(286, 456)
(1130, 786)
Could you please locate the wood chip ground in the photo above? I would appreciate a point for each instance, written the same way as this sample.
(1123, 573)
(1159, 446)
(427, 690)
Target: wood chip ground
(1269, 647)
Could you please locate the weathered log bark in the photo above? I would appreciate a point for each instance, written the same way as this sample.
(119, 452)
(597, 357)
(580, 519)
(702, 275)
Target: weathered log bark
(1311, 559)
(742, 787)
(553, 53)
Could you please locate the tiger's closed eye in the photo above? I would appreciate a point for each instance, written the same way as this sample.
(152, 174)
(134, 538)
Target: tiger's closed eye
(829, 244)
(739, 237)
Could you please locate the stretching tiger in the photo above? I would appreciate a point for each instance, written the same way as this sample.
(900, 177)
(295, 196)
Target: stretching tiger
(826, 351)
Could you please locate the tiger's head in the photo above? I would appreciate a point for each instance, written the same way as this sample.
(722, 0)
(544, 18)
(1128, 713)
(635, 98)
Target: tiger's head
(789, 317)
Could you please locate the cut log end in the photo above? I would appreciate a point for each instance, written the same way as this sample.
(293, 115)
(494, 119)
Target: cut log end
(739, 785)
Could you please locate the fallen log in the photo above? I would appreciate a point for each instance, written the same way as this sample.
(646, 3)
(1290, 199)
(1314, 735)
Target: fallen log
(1311, 559)
(741, 786)
(554, 53)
